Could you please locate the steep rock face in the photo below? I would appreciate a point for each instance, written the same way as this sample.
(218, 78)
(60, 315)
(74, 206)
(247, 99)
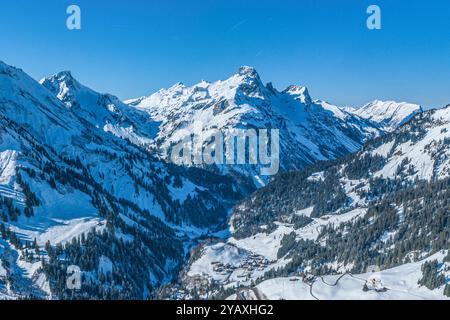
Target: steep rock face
(309, 130)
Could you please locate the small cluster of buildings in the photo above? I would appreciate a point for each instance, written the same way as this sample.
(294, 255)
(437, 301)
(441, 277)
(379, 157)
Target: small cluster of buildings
(248, 265)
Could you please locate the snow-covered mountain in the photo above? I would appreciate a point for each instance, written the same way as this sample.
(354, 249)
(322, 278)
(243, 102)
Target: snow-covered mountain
(85, 180)
(62, 173)
(384, 206)
(309, 130)
(104, 111)
(388, 114)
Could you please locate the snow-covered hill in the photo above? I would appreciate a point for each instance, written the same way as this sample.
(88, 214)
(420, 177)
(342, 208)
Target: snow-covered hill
(309, 130)
(62, 173)
(388, 114)
(385, 205)
(417, 151)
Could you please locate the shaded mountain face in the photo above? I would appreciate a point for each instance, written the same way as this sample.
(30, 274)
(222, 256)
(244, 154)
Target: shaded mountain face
(309, 130)
(388, 114)
(63, 174)
(384, 206)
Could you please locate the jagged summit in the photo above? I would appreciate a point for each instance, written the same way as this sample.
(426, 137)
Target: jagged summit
(248, 71)
(70, 91)
(177, 85)
(66, 74)
(248, 82)
(310, 130)
(104, 111)
(63, 85)
(21, 98)
(299, 92)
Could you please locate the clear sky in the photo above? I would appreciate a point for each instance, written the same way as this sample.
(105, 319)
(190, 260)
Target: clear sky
(135, 47)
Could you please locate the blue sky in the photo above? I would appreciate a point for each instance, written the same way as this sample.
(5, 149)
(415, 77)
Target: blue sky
(135, 47)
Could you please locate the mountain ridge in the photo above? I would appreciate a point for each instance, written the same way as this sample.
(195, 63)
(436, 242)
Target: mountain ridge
(383, 206)
(310, 130)
(83, 181)
(63, 177)
(388, 114)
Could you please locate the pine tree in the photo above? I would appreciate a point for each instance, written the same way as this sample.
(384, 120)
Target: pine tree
(447, 290)
(3, 231)
(36, 247)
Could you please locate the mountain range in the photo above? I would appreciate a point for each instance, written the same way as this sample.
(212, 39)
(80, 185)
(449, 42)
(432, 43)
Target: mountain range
(86, 180)
(376, 219)
(310, 130)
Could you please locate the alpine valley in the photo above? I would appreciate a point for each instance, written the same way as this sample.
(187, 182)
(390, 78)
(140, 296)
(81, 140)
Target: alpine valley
(359, 208)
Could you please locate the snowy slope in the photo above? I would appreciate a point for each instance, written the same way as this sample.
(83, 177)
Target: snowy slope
(417, 150)
(400, 282)
(388, 114)
(104, 111)
(73, 160)
(62, 173)
(386, 204)
(309, 130)
(247, 259)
